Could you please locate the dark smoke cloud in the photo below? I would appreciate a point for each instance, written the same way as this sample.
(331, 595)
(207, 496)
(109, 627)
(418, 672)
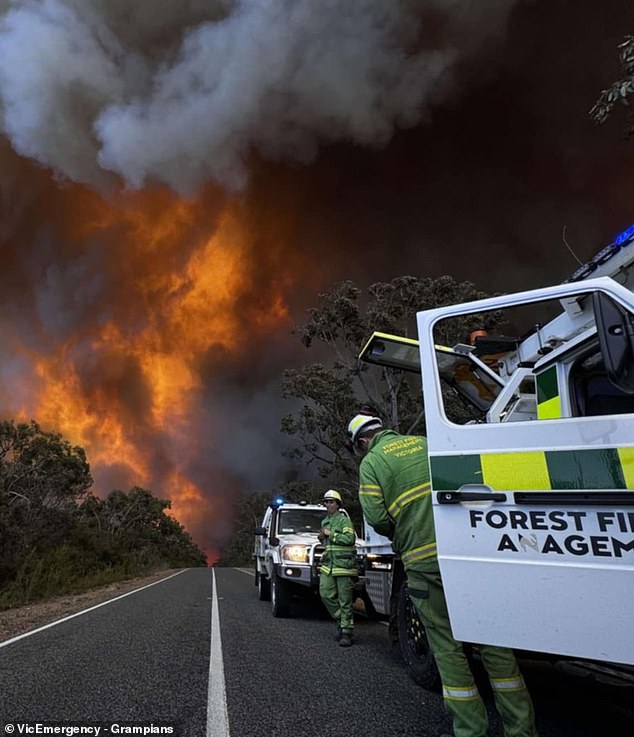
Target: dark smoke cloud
(182, 92)
(453, 138)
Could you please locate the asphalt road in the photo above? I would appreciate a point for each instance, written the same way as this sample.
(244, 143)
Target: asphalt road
(146, 658)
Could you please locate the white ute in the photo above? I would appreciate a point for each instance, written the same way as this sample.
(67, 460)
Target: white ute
(287, 553)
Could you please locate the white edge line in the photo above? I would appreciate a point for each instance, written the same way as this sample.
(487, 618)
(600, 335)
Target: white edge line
(85, 611)
(217, 716)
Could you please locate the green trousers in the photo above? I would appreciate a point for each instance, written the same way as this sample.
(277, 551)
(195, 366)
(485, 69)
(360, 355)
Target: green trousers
(336, 593)
(460, 694)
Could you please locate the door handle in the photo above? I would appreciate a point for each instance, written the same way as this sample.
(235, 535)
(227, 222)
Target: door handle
(470, 493)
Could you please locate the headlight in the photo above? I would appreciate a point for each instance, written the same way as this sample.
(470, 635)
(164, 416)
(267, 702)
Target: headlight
(295, 553)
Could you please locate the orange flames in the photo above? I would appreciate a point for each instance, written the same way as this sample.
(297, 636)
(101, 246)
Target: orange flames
(135, 373)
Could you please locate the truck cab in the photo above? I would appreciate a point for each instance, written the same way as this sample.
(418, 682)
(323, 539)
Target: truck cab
(287, 552)
(533, 478)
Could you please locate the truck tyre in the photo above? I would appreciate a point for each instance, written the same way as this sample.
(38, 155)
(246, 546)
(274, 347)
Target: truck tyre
(413, 643)
(280, 597)
(264, 587)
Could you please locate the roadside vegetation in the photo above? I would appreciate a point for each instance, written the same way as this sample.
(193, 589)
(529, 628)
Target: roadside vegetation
(57, 537)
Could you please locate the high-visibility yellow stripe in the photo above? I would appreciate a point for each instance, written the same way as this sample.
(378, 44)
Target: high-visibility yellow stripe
(517, 471)
(550, 409)
(371, 493)
(326, 570)
(626, 456)
(460, 693)
(421, 553)
(507, 684)
(417, 492)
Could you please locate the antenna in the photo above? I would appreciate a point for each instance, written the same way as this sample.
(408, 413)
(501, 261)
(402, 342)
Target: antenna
(569, 247)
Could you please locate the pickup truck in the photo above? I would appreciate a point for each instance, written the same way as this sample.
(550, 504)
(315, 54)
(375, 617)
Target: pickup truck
(287, 554)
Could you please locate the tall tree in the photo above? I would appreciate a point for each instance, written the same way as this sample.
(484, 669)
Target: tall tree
(42, 478)
(332, 390)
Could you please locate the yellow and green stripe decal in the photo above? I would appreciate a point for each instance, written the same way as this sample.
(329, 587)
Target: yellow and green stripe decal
(602, 468)
(548, 401)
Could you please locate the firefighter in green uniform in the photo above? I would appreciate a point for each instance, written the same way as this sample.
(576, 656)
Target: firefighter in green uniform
(338, 566)
(395, 495)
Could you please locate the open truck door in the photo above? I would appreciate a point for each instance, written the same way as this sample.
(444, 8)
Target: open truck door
(534, 502)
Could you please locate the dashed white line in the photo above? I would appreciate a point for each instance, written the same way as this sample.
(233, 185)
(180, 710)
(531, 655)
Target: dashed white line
(85, 611)
(217, 716)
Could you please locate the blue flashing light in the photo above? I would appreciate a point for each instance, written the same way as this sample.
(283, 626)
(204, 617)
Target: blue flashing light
(278, 501)
(625, 236)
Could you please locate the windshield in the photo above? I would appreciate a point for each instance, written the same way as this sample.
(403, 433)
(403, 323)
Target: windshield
(300, 520)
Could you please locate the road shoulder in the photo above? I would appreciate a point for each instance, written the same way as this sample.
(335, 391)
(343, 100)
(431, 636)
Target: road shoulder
(14, 622)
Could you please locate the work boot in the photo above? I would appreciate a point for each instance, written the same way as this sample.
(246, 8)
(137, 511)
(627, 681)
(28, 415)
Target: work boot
(338, 635)
(345, 640)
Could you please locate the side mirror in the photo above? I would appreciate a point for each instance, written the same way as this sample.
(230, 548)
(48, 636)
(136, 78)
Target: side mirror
(616, 340)
(260, 531)
(274, 540)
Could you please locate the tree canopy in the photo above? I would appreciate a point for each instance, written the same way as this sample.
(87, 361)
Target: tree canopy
(330, 392)
(620, 90)
(55, 536)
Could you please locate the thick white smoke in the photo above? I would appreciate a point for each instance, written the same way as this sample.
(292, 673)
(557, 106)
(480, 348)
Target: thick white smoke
(182, 92)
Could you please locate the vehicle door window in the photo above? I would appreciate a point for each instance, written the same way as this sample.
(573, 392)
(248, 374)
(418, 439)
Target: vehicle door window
(592, 392)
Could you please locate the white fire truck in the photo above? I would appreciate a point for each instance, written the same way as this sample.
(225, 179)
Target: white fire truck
(533, 477)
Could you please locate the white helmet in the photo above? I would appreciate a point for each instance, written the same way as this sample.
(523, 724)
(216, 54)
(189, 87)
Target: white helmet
(332, 494)
(361, 423)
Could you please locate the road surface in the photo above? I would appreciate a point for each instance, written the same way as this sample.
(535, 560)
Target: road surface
(215, 663)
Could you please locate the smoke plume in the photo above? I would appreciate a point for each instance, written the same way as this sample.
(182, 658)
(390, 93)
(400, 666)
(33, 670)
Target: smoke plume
(180, 179)
(184, 92)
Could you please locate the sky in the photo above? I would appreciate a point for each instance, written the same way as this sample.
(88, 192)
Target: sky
(179, 181)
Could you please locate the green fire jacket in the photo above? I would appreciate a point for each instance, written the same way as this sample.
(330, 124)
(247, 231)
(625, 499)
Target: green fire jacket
(395, 495)
(340, 557)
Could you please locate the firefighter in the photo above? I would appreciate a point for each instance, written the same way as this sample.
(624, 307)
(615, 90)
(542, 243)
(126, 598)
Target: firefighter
(338, 566)
(395, 495)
